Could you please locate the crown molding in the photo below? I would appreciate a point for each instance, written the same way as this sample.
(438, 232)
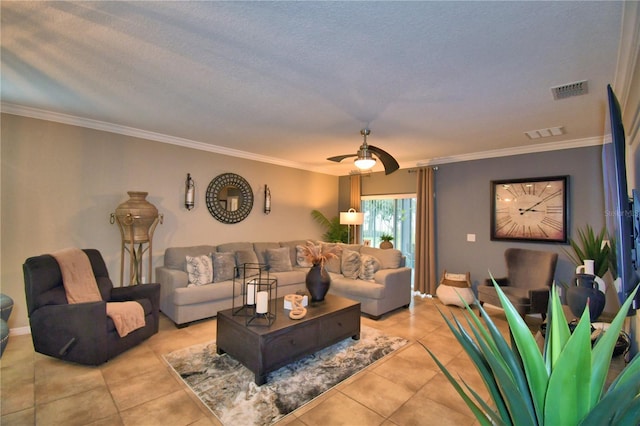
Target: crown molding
(505, 152)
(73, 120)
(628, 51)
(188, 143)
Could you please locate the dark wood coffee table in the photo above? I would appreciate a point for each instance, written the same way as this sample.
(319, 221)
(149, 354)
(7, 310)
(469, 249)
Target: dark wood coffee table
(264, 349)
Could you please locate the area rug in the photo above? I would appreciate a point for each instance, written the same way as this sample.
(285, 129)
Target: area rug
(228, 388)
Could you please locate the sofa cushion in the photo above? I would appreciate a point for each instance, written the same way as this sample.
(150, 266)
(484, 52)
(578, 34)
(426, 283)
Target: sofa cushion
(234, 247)
(246, 256)
(292, 248)
(199, 269)
(261, 250)
(351, 264)
(301, 259)
(389, 258)
(357, 288)
(223, 266)
(369, 265)
(203, 294)
(278, 259)
(295, 276)
(176, 257)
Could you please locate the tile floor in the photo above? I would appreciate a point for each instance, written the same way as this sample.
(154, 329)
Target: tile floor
(138, 387)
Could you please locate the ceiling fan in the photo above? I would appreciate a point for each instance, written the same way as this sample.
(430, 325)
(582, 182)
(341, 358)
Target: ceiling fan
(365, 156)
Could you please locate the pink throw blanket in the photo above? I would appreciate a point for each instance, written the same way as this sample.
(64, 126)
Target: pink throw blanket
(81, 286)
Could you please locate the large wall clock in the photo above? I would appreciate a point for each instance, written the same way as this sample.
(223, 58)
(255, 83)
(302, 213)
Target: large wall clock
(229, 198)
(533, 209)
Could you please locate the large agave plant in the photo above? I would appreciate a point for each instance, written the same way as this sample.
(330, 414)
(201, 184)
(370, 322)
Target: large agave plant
(561, 385)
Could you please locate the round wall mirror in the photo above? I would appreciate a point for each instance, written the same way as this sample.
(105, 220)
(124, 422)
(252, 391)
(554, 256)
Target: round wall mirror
(229, 198)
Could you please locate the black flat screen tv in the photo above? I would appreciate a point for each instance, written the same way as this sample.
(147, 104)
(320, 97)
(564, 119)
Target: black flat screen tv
(621, 214)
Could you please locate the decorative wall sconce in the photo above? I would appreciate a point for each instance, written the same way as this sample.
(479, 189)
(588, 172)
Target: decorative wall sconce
(267, 200)
(349, 218)
(189, 193)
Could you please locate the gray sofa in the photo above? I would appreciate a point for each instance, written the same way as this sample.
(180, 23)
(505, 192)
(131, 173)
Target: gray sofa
(182, 302)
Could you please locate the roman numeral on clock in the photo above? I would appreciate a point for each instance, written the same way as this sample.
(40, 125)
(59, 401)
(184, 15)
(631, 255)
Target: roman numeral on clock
(552, 223)
(554, 209)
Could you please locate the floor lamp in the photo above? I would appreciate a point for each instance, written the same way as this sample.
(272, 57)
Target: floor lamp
(349, 218)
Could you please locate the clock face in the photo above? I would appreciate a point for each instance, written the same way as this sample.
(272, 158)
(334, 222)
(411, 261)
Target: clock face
(530, 209)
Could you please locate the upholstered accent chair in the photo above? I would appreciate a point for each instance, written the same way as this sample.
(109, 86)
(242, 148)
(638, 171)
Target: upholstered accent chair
(528, 282)
(82, 332)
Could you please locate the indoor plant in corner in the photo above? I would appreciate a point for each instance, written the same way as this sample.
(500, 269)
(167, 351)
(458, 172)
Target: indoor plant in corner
(562, 386)
(335, 232)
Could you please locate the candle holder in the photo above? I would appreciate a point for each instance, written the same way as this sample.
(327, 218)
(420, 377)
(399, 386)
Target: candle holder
(242, 286)
(266, 293)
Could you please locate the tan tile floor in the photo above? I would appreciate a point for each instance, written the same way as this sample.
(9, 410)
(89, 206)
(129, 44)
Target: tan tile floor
(138, 388)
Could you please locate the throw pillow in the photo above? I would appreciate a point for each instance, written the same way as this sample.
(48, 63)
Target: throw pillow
(301, 260)
(369, 266)
(389, 259)
(223, 266)
(199, 270)
(279, 260)
(351, 264)
(246, 256)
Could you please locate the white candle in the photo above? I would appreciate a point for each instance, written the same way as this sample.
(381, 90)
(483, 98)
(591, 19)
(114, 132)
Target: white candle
(251, 294)
(262, 302)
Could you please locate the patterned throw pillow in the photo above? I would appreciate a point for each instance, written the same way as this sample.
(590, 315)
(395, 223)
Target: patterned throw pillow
(279, 259)
(351, 264)
(199, 269)
(223, 266)
(301, 260)
(369, 267)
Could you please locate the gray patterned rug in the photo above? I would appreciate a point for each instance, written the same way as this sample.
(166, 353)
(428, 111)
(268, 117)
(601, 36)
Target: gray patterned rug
(227, 387)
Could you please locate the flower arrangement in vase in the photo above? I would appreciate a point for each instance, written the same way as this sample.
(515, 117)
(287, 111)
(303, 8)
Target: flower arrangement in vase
(318, 280)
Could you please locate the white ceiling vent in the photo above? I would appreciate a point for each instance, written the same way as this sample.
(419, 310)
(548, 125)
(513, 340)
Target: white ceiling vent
(545, 133)
(571, 89)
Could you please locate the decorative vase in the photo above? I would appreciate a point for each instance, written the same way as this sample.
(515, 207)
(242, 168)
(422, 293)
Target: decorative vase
(137, 216)
(586, 289)
(386, 245)
(318, 282)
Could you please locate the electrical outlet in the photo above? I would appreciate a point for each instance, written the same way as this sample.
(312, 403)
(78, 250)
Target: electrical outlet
(471, 238)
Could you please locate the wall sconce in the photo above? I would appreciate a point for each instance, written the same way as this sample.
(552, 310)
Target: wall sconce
(267, 200)
(351, 217)
(189, 193)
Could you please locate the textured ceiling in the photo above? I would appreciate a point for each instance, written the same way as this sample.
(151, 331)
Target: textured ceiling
(294, 82)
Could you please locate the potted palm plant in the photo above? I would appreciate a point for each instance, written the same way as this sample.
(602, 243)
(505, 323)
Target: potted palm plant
(563, 385)
(386, 241)
(590, 245)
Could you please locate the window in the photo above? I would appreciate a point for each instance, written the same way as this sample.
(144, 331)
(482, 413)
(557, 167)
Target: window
(394, 215)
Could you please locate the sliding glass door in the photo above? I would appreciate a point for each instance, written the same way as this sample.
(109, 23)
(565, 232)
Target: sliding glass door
(393, 215)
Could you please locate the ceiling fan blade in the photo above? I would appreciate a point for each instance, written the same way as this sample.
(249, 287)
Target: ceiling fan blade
(390, 163)
(339, 158)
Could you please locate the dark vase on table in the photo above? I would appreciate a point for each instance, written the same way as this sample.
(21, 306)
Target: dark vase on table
(585, 291)
(318, 282)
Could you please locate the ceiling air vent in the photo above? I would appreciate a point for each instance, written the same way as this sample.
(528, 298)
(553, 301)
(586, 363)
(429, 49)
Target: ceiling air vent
(571, 89)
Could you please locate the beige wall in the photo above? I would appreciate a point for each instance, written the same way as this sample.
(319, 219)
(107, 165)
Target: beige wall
(60, 183)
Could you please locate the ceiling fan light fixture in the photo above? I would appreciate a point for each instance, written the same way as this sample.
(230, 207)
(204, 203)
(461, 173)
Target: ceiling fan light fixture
(365, 160)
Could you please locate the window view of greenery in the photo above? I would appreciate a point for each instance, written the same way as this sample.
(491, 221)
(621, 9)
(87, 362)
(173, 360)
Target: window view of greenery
(394, 216)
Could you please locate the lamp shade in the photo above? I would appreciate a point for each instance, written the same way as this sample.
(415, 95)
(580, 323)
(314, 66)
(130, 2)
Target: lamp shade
(351, 217)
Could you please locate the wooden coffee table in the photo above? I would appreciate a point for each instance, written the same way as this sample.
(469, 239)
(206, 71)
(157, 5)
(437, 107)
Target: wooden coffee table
(264, 349)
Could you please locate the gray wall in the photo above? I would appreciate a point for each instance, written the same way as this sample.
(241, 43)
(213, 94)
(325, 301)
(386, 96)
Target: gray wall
(463, 207)
(463, 204)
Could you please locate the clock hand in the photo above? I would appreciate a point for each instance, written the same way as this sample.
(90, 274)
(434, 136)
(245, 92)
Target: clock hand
(523, 211)
(543, 200)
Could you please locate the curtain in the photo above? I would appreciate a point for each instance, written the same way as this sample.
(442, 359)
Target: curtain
(354, 203)
(425, 261)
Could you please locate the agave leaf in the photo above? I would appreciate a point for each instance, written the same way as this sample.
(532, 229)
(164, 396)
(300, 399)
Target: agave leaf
(473, 351)
(603, 350)
(557, 330)
(630, 416)
(477, 412)
(534, 366)
(568, 394)
(621, 397)
(492, 414)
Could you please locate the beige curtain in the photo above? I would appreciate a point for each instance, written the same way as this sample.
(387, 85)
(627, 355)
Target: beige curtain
(425, 262)
(354, 202)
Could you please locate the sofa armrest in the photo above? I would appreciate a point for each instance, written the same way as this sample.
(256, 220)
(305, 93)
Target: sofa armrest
(398, 279)
(75, 332)
(170, 280)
